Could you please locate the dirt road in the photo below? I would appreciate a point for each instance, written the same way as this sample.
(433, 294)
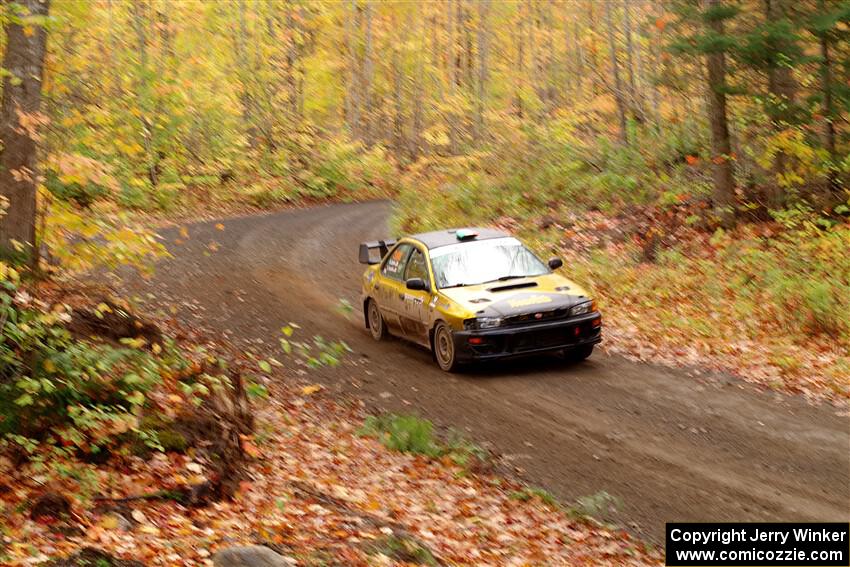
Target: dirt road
(670, 446)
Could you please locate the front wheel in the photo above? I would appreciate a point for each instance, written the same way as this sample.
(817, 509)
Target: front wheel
(376, 322)
(444, 348)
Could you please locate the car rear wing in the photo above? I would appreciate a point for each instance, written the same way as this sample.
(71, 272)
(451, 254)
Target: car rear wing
(368, 249)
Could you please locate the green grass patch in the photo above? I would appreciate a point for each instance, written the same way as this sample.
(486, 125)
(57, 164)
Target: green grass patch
(529, 493)
(597, 505)
(412, 434)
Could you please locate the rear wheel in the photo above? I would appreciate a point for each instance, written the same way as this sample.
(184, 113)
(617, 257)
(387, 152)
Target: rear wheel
(376, 321)
(444, 348)
(578, 354)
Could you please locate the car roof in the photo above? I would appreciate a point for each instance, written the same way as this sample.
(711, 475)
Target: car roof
(439, 238)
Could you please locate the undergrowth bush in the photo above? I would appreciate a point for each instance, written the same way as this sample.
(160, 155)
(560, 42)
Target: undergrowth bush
(547, 171)
(66, 394)
(265, 195)
(80, 241)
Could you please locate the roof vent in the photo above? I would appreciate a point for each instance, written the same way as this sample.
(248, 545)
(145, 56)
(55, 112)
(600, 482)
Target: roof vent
(465, 234)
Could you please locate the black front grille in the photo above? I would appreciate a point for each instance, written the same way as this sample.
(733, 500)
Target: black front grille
(537, 316)
(548, 338)
(540, 339)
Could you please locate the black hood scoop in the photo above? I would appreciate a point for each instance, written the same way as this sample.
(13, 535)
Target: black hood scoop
(506, 287)
(525, 306)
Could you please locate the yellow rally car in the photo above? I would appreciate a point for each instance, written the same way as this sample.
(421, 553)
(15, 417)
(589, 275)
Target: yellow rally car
(474, 294)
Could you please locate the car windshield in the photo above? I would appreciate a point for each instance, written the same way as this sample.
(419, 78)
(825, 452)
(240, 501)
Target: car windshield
(481, 261)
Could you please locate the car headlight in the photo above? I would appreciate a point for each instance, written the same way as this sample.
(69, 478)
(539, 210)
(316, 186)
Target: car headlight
(482, 323)
(583, 308)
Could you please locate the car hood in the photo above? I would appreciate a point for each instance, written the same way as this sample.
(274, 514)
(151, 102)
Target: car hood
(515, 297)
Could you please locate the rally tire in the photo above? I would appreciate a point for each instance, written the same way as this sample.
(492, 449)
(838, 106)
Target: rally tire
(377, 326)
(444, 348)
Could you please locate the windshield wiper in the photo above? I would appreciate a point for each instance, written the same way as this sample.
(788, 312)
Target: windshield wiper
(501, 279)
(504, 279)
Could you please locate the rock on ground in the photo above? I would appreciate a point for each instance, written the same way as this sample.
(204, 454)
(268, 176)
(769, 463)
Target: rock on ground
(251, 556)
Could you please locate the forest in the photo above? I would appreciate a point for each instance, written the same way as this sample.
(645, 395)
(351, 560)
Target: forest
(688, 159)
(635, 135)
(147, 103)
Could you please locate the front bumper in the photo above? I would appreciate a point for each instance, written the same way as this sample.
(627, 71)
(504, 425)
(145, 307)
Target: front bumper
(520, 340)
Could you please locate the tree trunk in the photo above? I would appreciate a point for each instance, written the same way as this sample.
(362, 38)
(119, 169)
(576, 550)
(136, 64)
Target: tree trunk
(615, 69)
(630, 60)
(569, 61)
(366, 75)
(144, 92)
(452, 68)
(398, 111)
(579, 54)
(467, 61)
(548, 55)
(483, 52)
(21, 102)
(780, 78)
(594, 59)
(827, 108)
(292, 61)
(113, 52)
(533, 62)
(782, 88)
(352, 95)
(519, 40)
(655, 56)
(724, 182)
(418, 79)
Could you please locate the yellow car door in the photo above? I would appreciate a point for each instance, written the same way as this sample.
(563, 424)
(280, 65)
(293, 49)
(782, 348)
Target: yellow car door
(391, 287)
(414, 315)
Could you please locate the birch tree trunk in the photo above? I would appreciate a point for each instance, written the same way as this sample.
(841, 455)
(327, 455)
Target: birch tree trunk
(615, 70)
(483, 53)
(368, 69)
(413, 142)
(452, 68)
(242, 64)
(144, 92)
(398, 111)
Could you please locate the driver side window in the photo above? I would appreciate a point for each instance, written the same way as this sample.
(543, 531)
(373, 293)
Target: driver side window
(417, 267)
(396, 261)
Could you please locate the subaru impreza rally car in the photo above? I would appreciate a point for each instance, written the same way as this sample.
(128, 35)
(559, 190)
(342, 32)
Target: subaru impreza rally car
(474, 294)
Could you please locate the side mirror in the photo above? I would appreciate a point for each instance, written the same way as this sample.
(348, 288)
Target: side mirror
(555, 263)
(416, 284)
